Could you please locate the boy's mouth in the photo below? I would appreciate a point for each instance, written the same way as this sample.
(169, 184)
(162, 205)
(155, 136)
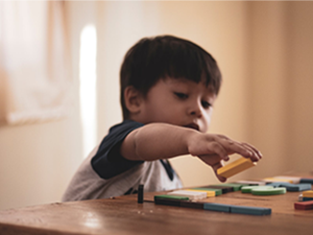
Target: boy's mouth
(192, 126)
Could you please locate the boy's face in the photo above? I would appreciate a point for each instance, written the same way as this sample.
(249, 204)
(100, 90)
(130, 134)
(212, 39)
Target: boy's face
(180, 102)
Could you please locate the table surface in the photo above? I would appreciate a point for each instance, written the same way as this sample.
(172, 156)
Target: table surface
(123, 215)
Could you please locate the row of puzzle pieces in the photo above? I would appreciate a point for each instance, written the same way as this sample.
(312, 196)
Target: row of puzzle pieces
(185, 198)
(182, 201)
(295, 184)
(292, 184)
(268, 186)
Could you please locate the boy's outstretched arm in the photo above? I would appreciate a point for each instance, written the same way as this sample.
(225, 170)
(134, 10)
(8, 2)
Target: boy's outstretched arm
(160, 141)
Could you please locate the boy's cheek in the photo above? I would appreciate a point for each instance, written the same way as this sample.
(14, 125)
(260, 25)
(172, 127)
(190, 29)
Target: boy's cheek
(206, 123)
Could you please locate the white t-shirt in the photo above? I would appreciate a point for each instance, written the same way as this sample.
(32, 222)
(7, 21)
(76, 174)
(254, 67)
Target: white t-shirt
(105, 173)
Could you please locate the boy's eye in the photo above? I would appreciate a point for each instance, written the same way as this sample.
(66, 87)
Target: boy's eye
(206, 104)
(181, 95)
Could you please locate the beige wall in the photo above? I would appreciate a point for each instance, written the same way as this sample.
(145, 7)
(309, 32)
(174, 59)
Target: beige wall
(281, 82)
(265, 53)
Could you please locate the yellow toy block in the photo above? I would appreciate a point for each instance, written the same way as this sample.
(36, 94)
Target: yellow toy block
(209, 193)
(277, 179)
(308, 193)
(235, 167)
(293, 179)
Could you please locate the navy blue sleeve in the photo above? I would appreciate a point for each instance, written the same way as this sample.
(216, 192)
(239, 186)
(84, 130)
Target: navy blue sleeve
(108, 162)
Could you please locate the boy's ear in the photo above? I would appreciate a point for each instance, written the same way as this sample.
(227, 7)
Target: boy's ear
(133, 99)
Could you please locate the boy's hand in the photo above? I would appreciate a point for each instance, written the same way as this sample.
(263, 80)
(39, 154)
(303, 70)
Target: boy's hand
(212, 149)
(161, 141)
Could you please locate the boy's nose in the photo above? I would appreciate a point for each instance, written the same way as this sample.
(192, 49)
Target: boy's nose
(195, 110)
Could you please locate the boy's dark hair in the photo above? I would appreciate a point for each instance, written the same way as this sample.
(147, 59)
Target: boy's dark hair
(152, 59)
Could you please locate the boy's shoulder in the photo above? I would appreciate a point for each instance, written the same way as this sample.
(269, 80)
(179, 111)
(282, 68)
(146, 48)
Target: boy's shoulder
(108, 162)
(126, 124)
(122, 129)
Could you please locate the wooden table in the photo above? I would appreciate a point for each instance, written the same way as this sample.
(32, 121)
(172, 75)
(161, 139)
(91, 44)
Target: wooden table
(123, 215)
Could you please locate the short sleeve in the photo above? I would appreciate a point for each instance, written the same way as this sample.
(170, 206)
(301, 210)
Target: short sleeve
(108, 162)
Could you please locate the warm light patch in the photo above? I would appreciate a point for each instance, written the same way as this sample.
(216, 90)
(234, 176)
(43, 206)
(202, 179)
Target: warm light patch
(88, 78)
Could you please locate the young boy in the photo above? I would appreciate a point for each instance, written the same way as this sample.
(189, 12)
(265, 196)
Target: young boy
(168, 89)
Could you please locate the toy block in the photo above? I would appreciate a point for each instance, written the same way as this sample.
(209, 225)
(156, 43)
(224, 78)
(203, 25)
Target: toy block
(235, 186)
(224, 189)
(250, 182)
(307, 205)
(291, 187)
(264, 190)
(306, 180)
(235, 167)
(276, 184)
(248, 189)
(307, 199)
(308, 193)
(298, 187)
(217, 191)
(192, 195)
(210, 193)
(166, 196)
(189, 204)
(140, 194)
(269, 191)
(169, 200)
(291, 179)
(275, 179)
(216, 207)
(249, 210)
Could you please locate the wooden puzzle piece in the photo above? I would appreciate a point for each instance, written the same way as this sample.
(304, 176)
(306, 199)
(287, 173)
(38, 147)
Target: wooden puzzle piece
(307, 205)
(251, 182)
(248, 189)
(250, 210)
(192, 195)
(235, 186)
(225, 189)
(210, 193)
(276, 179)
(308, 193)
(235, 167)
(216, 190)
(291, 187)
(266, 192)
(306, 180)
(216, 207)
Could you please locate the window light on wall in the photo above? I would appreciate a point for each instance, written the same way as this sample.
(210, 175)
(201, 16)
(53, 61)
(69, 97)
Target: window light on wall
(88, 79)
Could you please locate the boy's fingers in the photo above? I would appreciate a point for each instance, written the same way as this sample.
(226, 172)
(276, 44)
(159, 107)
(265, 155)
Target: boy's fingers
(211, 159)
(215, 168)
(235, 147)
(257, 152)
(218, 149)
(221, 178)
(244, 149)
(255, 156)
(215, 162)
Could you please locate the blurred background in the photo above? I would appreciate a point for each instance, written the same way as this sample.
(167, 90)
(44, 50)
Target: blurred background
(59, 84)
